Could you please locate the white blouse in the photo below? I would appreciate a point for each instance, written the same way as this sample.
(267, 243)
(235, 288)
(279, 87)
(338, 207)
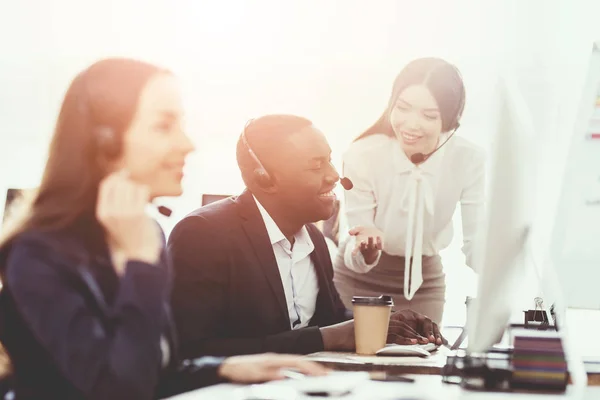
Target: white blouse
(412, 204)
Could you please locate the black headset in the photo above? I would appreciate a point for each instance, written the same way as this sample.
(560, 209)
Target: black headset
(107, 143)
(105, 140)
(419, 158)
(461, 106)
(261, 176)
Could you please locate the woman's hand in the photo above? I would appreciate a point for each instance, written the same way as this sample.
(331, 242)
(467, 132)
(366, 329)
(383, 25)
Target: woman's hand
(121, 211)
(369, 241)
(266, 367)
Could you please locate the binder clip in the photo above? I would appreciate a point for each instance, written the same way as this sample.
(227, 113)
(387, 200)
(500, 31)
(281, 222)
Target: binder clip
(538, 317)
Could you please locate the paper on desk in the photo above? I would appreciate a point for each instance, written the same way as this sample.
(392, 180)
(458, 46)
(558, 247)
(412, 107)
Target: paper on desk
(437, 356)
(346, 359)
(391, 360)
(428, 389)
(335, 382)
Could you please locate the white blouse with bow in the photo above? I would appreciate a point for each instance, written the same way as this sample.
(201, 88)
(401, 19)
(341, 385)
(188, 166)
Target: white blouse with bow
(413, 205)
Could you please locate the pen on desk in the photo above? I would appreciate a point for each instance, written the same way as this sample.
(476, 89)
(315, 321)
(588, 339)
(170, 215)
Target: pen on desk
(387, 377)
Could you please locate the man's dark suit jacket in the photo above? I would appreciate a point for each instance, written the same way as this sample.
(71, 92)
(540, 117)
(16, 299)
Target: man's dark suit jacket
(228, 296)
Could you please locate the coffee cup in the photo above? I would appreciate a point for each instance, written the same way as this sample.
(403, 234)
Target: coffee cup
(371, 322)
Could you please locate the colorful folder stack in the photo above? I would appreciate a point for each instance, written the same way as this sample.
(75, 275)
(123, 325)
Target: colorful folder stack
(539, 361)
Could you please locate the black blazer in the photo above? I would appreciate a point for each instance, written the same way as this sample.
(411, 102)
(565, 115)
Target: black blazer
(74, 330)
(228, 297)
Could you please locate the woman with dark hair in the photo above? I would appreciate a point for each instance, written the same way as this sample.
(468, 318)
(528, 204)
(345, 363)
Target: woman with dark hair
(407, 183)
(86, 282)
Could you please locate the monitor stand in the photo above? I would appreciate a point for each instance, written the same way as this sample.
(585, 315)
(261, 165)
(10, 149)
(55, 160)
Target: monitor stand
(463, 333)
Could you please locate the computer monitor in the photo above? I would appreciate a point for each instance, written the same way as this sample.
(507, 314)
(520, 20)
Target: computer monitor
(500, 261)
(574, 250)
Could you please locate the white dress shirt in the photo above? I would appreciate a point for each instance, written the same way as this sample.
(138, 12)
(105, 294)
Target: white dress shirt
(296, 269)
(412, 204)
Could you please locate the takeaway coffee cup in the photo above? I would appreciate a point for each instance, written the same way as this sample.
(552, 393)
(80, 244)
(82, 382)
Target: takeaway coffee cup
(371, 322)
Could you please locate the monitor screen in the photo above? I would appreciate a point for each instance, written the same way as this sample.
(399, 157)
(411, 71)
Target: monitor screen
(501, 262)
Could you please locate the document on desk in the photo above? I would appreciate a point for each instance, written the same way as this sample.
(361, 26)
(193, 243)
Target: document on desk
(425, 388)
(335, 384)
(347, 386)
(353, 360)
(392, 360)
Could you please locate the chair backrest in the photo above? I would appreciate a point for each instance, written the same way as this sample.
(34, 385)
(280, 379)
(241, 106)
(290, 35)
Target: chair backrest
(6, 372)
(11, 195)
(15, 198)
(211, 198)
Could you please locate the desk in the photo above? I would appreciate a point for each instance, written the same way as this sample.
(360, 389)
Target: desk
(410, 365)
(398, 365)
(425, 388)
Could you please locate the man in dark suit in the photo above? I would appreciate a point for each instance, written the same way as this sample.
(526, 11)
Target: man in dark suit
(252, 273)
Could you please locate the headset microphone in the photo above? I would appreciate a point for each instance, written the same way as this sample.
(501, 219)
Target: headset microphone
(419, 158)
(346, 183)
(109, 145)
(165, 211)
(262, 176)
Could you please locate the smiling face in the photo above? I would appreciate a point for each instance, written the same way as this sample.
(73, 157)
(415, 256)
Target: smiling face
(305, 177)
(416, 120)
(155, 145)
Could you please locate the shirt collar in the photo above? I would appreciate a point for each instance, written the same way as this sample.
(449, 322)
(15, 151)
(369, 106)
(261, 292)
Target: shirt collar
(403, 164)
(275, 235)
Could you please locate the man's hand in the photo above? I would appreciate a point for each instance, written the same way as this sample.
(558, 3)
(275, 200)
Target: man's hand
(406, 327)
(369, 241)
(409, 327)
(339, 337)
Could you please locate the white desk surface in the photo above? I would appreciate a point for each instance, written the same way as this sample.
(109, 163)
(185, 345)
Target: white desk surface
(425, 388)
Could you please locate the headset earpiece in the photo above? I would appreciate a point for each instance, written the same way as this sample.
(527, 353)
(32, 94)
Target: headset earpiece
(461, 106)
(456, 122)
(107, 143)
(261, 176)
(104, 137)
(455, 125)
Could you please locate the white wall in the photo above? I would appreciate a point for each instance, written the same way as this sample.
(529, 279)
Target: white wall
(332, 61)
